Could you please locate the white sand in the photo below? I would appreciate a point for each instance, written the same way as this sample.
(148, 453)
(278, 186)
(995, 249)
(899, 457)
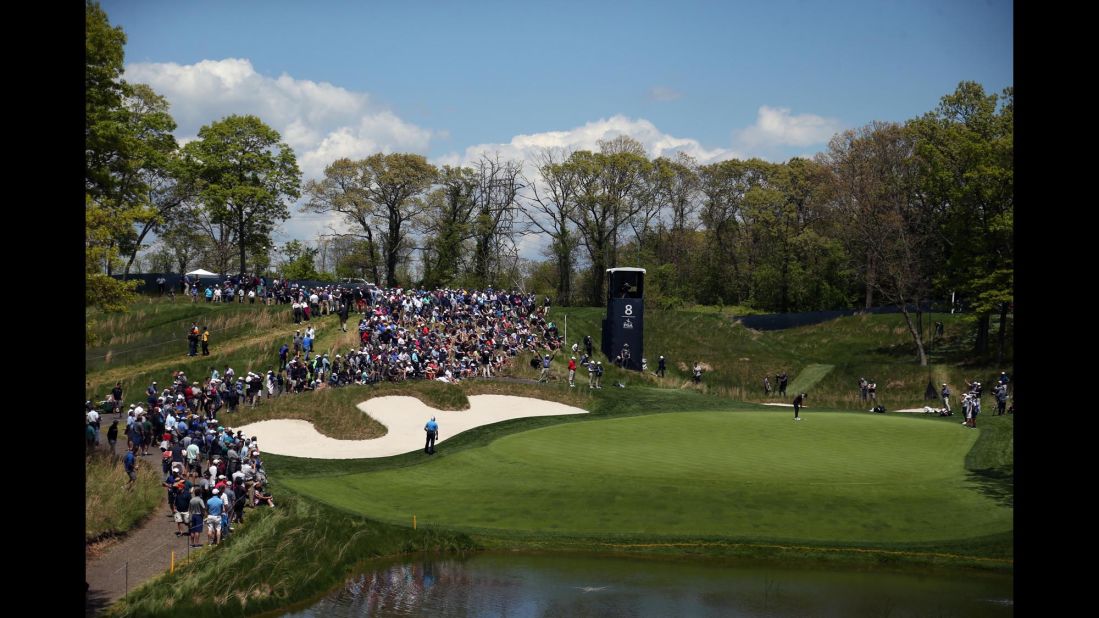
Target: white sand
(404, 417)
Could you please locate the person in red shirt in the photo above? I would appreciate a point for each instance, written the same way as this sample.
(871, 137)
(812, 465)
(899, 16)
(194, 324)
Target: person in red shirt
(572, 372)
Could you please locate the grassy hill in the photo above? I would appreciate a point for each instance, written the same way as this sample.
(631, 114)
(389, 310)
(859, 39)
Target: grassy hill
(834, 355)
(661, 466)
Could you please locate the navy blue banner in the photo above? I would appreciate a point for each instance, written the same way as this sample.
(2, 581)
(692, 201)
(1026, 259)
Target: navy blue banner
(624, 325)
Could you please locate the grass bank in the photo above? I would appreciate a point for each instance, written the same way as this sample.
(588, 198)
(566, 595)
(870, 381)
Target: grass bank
(111, 506)
(277, 558)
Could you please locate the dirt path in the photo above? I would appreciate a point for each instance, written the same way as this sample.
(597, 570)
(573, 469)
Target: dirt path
(146, 551)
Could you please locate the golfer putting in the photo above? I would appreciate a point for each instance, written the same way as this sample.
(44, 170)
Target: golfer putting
(799, 401)
(432, 429)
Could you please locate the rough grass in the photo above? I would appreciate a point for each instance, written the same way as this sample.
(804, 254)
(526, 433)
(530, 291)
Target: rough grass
(109, 506)
(278, 557)
(873, 346)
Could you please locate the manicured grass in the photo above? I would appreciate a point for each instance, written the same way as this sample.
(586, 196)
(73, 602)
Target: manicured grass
(843, 478)
(660, 467)
(807, 379)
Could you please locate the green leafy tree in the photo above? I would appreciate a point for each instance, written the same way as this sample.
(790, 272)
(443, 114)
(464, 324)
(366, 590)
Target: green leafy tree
(299, 261)
(889, 221)
(244, 177)
(344, 190)
(395, 184)
(607, 183)
(114, 196)
(549, 209)
(447, 223)
(965, 151)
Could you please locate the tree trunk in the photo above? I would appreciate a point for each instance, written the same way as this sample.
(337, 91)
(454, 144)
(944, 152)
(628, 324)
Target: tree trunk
(597, 275)
(564, 274)
(915, 335)
(243, 250)
(869, 281)
(981, 345)
(137, 247)
(392, 250)
(1002, 334)
(373, 251)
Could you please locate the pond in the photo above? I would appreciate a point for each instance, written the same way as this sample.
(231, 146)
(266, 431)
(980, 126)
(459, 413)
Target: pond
(521, 585)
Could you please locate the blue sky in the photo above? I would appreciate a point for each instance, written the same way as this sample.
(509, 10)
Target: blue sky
(452, 79)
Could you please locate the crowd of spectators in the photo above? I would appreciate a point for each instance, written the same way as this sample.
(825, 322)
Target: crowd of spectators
(211, 474)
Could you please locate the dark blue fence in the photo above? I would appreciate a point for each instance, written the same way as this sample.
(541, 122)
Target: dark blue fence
(780, 321)
(174, 281)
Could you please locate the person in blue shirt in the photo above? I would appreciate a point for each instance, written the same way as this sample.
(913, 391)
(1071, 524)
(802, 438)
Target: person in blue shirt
(130, 463)
(432, 429)
(213, 518)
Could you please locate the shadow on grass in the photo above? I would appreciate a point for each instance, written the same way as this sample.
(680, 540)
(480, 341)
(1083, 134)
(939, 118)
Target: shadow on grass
(998, 484)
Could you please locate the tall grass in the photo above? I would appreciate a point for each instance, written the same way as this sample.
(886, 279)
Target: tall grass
(278, 557)
(111, 506)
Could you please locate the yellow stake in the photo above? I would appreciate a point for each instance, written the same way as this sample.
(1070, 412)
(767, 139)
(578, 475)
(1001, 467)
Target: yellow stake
(173, 567)
(413, 522)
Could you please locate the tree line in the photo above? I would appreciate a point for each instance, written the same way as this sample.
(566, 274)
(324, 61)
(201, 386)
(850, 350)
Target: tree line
(890, 213)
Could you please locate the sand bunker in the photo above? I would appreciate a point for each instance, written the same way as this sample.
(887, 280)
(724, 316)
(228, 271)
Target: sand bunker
(404, 417)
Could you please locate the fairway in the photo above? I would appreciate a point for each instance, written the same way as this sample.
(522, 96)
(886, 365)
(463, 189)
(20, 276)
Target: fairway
(836, 477)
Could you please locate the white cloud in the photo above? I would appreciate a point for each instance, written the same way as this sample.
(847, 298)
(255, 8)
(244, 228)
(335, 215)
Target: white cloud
(664, 93)
(775, 127)
(657, 143)
(320, 121)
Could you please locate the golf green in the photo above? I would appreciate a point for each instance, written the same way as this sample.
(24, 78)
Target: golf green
(839, 477)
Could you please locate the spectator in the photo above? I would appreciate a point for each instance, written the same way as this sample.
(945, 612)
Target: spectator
(196, 508)
(1000, 393)
(112, 435)
(130, 464)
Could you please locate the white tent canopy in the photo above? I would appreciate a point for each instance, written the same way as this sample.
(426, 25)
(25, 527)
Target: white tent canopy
(202, 273)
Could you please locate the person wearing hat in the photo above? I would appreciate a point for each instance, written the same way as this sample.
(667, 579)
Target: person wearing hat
(572, 372)
(799, 401)
(432, 430)
(661, 366)
(180, 501)
(544, 376)
(92, 418)
(945, 394)
(599, 374)
(205, 340)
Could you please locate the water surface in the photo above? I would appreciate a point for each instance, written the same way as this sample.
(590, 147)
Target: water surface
(520, 585)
